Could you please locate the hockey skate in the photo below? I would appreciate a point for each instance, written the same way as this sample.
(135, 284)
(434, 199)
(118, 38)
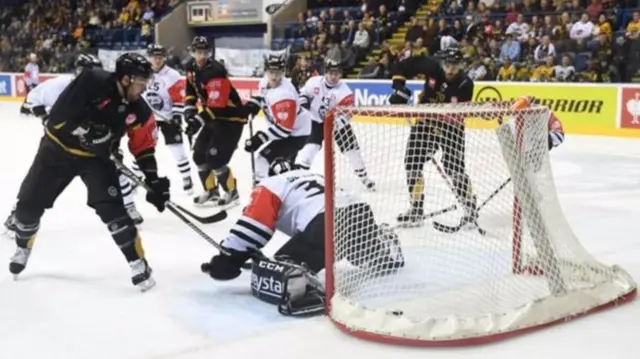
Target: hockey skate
(9, 226)
(141, 275)
(134, 214)
(388, 257)
(230, 199)
(414, 217)
(187, 185)
(19, 261)
(211, 197)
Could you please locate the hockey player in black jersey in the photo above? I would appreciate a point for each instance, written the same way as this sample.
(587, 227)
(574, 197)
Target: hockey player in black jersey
(84, 129)
(443, 84)
(220, 123)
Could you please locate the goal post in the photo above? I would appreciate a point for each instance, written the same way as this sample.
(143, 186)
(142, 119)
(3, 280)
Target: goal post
(526, 272)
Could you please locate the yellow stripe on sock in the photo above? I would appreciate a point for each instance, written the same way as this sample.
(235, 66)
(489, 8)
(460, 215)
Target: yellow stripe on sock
(137, 243)
(211, 182)
(418, 189)
(231, 181)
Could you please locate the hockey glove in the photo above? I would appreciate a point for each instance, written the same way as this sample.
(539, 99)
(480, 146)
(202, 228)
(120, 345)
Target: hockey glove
(159, 193)
(95, 139)
(255, 142)
(225, 266)
(194, 124)
(253, 105)
(400, 96)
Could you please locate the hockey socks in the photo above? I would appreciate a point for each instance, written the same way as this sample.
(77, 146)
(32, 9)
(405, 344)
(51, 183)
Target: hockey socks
(179, 154)
(127, 190)
(415, 183)
(228, 183)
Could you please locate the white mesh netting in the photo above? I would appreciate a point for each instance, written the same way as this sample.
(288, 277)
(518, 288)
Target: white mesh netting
(527, 270)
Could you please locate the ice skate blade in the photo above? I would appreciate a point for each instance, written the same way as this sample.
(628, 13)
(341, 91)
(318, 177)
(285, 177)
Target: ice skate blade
(410, 224)
(146, 285)
(229, 205)
(15, 277)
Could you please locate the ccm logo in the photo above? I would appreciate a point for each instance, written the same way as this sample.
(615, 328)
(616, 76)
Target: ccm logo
(272, 266)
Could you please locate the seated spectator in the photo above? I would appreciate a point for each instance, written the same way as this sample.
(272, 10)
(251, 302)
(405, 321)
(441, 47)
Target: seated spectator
(415, 31)
(544, 50)
(334, 36)
(544, 72)
(302, 71)
(603, 27)
(383, 23)
(361, 42)
(633, 28)
(349, 32)
(334, 52)
(603, 51)
(406, 52)
(519, 29)
(524, 70)
(467, 49)
(419, 49)
(565, 72)
(507, 71)
(593, 73)
(348, 56)
(379, 70)
(477, 71)
(510, 49)
(582, 31)
(594, 8)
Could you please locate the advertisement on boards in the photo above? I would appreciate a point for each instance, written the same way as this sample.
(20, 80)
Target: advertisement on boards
(21, 88)
(581, 108)
(6, 84)
(630, 108)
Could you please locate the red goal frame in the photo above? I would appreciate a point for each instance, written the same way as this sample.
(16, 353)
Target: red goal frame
(518, 268)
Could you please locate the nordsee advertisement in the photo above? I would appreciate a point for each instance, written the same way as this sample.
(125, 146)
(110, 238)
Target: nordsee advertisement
(593, 109)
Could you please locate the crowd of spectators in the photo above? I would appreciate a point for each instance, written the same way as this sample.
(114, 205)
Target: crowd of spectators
(347, 30)
(505, 40)
(56, 31)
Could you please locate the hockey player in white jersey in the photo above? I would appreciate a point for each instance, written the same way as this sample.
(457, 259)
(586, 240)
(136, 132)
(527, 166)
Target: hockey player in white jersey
(320, 95)
(165, 96)
(31, 79)
(292, 202)
(289, 123)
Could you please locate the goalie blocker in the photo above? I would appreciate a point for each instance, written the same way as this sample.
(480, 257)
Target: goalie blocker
(293, 203)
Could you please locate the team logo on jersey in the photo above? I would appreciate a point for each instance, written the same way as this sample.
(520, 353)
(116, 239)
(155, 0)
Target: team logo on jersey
(131, 118)
(155, 101)
(112, 191)
(316, 91)
(214, 95)
(282, 116)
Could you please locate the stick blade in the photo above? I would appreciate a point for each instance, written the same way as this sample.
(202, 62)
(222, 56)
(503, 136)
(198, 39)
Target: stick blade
(214, 218)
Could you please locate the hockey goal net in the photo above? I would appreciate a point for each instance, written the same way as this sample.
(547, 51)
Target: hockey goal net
(526, 271)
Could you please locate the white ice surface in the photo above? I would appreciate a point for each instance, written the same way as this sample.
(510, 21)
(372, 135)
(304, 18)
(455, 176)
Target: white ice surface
(75, 300)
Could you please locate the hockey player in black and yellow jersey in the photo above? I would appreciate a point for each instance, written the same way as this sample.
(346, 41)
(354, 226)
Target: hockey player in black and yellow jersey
(445, 83)
(220, 123)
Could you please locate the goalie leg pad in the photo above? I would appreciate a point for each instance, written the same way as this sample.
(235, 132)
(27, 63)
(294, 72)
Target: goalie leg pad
(284, 283)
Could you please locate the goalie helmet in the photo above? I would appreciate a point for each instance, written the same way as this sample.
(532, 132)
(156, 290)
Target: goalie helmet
(156, 50)
(274, 61)
(279, 166)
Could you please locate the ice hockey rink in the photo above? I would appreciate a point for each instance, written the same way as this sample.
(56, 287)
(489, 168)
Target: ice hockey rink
(75, 299)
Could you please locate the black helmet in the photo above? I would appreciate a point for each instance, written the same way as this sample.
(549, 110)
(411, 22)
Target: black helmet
(451, 55)
(200, 43)
(280, 165)
(332, 65)
(132, 64)
(156, 50)
(274, 61)
(88, 61)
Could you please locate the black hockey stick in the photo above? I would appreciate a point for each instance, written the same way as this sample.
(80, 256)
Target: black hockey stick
(253, 158)
(273, 8)
(453, 229)
(173, 207)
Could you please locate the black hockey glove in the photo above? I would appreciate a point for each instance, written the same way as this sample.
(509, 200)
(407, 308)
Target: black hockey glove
(194, 124)
(159, 193)
(253, 105)
(255, 142)
(95, 139)
(400, 96)
(226, 267)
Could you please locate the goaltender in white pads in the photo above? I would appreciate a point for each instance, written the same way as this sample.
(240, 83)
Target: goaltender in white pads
(292, 202)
